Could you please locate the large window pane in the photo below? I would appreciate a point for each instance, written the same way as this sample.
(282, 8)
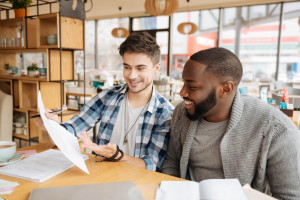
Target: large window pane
(227, 35)
(162, 41)
(150, 23)
(90, 45)
(108, 55)
(183, 46)
(290, 40)
(258, 45)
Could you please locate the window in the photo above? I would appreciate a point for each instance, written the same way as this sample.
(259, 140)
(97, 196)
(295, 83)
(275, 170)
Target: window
(107, 46)
(290, 44)
(150, 23)
(183, 46)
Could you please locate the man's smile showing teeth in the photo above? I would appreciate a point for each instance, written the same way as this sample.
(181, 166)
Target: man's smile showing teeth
(188, 104)
(134, 83)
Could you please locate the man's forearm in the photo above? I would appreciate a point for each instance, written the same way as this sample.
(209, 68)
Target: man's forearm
(138, 162)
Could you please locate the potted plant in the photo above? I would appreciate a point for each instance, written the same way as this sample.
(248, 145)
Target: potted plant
(19, 7)
(8, 69)
(33, 70)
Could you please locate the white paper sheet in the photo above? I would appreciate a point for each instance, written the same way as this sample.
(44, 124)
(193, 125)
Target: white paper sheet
(225, 189)
(212, 189)
(65, 141)
(178, 190)
(39, 167)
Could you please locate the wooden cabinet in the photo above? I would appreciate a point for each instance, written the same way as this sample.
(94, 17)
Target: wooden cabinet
(71, 31)
(58, 59)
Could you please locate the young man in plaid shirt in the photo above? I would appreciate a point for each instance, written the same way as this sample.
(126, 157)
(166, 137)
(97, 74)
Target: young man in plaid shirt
(134, 118)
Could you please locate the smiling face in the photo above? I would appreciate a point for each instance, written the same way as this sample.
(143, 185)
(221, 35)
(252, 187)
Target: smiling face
(138, 71)
(199, 90)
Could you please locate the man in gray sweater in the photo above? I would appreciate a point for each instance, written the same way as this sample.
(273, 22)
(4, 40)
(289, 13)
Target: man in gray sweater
(218, 133)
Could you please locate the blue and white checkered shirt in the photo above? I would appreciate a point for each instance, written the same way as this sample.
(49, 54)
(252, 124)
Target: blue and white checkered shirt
(152, 136)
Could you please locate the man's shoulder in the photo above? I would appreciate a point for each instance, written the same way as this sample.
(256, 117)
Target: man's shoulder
(162, 103)
(260, 111)
(113, 91)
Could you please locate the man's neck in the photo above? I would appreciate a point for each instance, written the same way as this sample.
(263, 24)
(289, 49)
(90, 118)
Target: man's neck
(139, 99)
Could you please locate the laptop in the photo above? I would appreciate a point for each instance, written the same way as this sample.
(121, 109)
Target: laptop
(111, 191)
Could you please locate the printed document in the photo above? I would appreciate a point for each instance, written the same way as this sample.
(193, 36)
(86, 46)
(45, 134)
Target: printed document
(65, 141)
(39, 167)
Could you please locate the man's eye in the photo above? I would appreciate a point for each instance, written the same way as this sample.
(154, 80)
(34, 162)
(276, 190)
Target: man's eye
(193, 88)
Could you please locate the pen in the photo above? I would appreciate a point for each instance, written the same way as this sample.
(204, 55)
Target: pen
(55, 111)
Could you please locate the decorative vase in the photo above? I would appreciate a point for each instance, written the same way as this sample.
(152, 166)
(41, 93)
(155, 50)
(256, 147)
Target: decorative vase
(20, 12)
(33, 73)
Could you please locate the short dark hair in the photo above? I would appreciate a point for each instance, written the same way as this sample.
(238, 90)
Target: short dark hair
(141, 42)
(220, 62)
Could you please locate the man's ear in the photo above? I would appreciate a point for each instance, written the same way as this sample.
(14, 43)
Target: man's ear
(157, 67)
(227, 88)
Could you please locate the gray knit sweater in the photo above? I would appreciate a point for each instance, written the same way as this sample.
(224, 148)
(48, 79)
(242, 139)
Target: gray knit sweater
(261, 146)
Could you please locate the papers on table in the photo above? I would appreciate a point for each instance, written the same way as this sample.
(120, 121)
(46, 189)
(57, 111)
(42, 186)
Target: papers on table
(65, 141)
(39, 167)
(7, 187)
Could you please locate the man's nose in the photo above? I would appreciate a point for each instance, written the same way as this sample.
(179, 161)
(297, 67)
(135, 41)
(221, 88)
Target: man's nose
(133, 74)
(184, 91)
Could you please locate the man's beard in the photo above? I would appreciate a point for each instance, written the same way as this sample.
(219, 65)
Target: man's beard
(203, 107)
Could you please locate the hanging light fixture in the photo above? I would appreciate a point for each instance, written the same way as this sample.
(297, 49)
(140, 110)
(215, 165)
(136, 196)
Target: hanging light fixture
(187, 27)
(120, 32)
(161, 7)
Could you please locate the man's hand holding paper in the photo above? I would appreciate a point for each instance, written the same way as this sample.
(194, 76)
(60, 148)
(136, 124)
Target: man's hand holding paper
(39, 122)
(65, 141)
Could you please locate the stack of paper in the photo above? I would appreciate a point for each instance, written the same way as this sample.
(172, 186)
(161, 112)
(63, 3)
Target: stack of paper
(7, 187)
(39, 167)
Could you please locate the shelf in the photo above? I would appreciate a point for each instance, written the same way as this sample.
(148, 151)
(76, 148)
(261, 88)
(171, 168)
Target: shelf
(51, 94)
(21, 117)
(21, 136)
(67, 65)
(30, 128)
(26, 78)
(28, 94)
(31, 34)
(71, 31)
(6, 86)
(14, 33)
(52, 63)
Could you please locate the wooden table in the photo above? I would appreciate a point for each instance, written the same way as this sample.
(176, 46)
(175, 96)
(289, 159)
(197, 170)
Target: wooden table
(100, 172)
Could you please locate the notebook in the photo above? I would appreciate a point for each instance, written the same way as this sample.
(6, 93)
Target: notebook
(111, 191)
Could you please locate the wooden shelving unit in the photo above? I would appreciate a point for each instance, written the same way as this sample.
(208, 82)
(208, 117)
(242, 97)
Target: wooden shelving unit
(31, 33)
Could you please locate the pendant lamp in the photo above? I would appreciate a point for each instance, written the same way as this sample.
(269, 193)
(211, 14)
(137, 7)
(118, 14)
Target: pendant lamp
(120, 32)
(187, 27)
(161, 7)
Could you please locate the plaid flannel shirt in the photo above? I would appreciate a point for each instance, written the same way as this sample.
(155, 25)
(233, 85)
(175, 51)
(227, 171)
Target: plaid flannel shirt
(152, 136)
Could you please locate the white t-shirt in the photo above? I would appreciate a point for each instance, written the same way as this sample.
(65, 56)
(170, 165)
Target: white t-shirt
(132, 118)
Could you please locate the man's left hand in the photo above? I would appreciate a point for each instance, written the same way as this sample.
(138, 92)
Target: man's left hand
(104, 150)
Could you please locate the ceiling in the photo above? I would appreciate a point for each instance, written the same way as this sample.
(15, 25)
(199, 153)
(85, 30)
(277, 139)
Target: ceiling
(103, 9)
(109, 8)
